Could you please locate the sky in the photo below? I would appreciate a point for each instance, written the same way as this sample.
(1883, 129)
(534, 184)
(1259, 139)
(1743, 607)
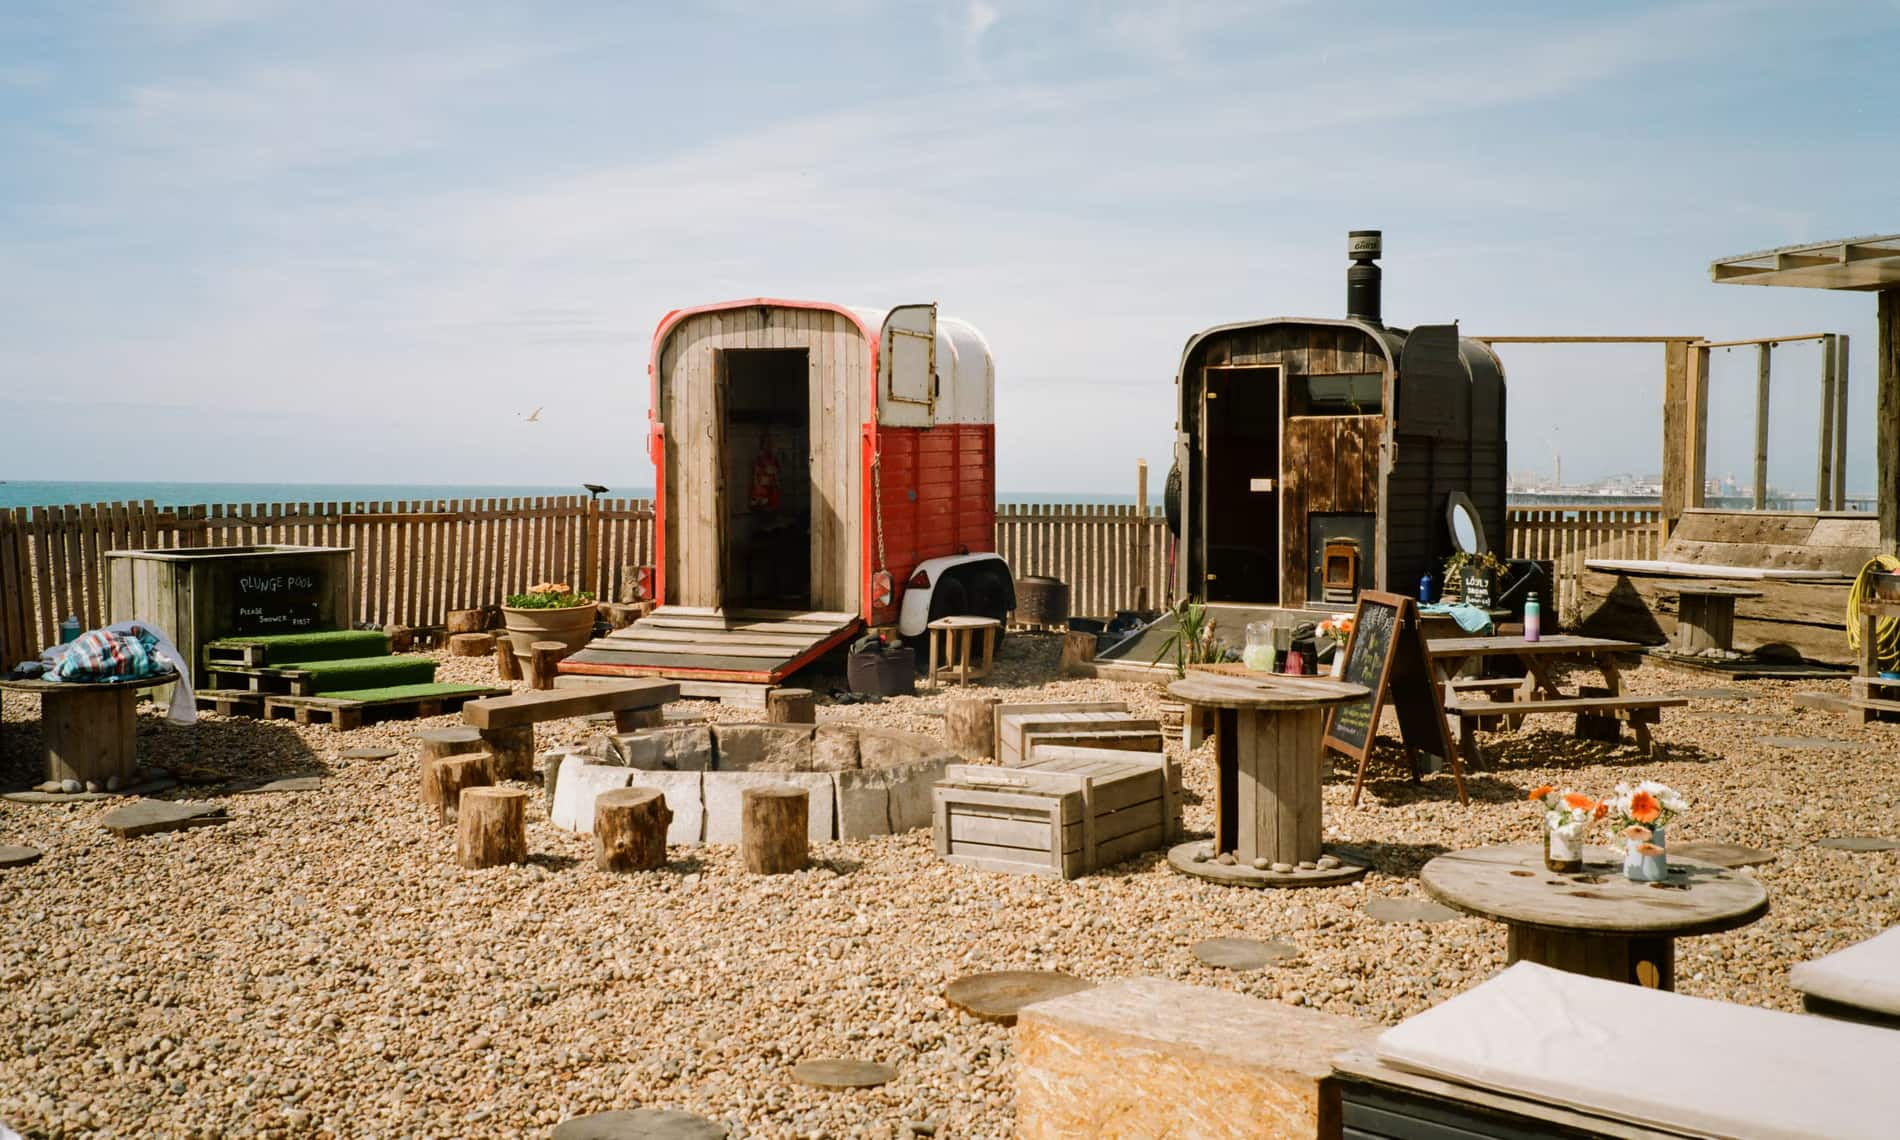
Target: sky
(244, 240)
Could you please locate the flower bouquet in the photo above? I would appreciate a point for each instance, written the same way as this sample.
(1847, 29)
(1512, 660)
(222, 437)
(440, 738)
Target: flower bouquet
(1339, 628)
(1641, 814)
(1566, 814)
(549, 596)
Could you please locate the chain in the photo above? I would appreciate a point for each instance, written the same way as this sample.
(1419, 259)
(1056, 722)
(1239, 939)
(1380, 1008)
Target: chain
(877, 505)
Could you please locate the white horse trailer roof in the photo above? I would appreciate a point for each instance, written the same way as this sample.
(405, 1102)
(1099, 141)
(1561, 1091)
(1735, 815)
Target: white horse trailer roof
(966, 371)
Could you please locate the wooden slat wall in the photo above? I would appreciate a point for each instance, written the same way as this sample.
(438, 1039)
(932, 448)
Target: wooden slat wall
(690, 383)
(1569, 534)
(1112, 557)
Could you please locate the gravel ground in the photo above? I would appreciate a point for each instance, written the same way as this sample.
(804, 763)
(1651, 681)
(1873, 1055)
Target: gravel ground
(320, 966)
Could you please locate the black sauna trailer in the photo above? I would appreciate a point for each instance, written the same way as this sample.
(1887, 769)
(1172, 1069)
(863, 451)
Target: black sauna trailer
(1317, 457)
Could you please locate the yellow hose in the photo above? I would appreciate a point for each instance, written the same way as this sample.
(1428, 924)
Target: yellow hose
(1886, 630)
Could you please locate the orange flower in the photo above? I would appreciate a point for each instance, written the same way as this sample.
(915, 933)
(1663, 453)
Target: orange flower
(1577, 801)
(1636, 833)
(1648, 849)
(1644, 808)
(1603, 809)
(1540, 793)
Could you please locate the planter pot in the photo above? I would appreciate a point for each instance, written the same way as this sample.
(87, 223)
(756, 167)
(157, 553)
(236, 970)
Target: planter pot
(1563, 850)
(572, 626)
(1641, 868)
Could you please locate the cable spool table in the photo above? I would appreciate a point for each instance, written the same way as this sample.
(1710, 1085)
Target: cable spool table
(1267, 814)
(89, 727)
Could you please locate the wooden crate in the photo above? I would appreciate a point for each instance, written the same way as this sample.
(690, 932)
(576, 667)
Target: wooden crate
(1014, 721)
(1072, 812)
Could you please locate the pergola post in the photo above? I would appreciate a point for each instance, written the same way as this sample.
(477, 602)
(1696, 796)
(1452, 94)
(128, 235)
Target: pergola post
(1887, 420)
(1824, 455)
(1840, 421)
(1761, 425)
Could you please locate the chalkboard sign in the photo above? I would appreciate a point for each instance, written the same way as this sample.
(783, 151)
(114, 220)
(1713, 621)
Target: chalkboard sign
(277, 602)
(1477, 587)
(1387, 655)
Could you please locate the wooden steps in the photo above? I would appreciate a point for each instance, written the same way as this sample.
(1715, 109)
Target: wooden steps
(309, 679)
(686, 642)
(294, 648)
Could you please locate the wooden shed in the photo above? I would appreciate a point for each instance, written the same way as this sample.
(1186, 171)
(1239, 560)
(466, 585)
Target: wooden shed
(1316, 457)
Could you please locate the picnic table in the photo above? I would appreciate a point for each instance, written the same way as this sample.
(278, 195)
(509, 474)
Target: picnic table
(89, 728)
(1596, 922)
(1449, 655)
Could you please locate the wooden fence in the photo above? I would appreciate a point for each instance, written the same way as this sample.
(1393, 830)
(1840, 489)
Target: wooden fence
(417, 560)
(1567, 534)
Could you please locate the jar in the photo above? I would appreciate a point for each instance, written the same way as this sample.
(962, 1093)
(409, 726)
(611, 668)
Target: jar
(1258, 654)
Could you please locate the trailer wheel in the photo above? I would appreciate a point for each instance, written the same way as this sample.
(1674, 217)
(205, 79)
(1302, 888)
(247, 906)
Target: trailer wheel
(990, 597)
(1171, 500)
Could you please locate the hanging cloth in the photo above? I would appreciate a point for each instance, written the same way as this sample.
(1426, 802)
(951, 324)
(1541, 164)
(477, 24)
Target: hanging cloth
(765, 493)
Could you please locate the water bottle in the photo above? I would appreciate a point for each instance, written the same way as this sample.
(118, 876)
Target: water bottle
(1533, 619)
(1425, 588)
(69, 629)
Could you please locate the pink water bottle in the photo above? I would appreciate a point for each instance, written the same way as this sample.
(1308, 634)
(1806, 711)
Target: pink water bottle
(1533, 619)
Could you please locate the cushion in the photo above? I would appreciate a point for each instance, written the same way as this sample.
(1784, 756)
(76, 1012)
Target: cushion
(1866, 975)
(1658, 1059)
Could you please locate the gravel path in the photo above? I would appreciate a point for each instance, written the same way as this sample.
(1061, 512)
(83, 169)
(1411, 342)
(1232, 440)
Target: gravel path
(320, 966)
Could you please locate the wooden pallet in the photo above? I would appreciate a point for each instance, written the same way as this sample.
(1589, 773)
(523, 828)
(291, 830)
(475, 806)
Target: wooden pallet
(230, 702)
(344, 714)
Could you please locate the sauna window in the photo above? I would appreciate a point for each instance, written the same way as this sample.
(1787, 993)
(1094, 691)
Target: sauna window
(1348, 394)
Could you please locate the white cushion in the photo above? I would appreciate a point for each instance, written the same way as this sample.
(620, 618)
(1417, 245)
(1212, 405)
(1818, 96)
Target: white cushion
(1660, 1059)
(1865, 975)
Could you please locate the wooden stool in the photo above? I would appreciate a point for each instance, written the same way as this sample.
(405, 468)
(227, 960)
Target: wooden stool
(951, 640)
(1705, 617)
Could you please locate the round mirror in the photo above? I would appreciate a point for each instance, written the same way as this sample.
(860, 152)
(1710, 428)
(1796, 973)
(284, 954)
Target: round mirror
(1467, 533)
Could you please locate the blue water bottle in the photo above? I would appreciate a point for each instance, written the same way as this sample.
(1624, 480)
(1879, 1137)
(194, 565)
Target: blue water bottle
(1425, 588)
(69, 629)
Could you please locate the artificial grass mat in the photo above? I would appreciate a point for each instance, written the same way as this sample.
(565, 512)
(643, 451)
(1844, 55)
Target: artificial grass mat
(364, 672)
(404, 692)
(321, 645)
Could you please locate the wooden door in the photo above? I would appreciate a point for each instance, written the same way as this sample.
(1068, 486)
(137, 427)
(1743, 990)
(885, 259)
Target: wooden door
(1240, 484)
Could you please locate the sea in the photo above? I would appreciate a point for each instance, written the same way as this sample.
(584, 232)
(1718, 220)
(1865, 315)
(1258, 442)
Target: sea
(19, 493)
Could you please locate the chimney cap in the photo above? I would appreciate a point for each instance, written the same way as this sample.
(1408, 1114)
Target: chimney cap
(1364, 245)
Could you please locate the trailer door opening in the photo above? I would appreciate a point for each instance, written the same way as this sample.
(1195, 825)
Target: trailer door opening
(765, 419)
(1241, 494)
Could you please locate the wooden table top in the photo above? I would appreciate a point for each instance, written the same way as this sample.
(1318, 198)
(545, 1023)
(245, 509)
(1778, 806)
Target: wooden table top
(964, 621)
(1715, 591)
(1511, 884)
(1265, 691)
(34, 685)
(1557, 644)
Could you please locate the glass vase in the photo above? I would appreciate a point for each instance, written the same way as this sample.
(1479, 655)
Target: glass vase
(1641, 868)
(1563, 850)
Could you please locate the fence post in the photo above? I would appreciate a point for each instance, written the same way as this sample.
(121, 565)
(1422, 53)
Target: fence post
(1141, 531)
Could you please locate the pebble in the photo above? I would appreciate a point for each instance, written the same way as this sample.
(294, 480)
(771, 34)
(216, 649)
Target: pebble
(71, 786)
(1226, 859)
(1308, 865)
(1328, 862)
(1281, 868)
(1261, 864)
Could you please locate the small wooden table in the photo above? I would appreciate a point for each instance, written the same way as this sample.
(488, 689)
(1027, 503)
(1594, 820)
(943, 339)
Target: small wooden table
(1597, 923)
(90, 728)
(1267, 733)
(955, 636)
(1705, 617)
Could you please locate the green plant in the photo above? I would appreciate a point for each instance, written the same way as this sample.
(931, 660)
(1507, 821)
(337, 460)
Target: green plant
(1458, 562)
(548, 596)
(1193, 641)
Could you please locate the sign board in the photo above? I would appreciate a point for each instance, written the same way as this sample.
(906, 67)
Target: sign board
(272, 601)
(1387, 655)
(1476, 587)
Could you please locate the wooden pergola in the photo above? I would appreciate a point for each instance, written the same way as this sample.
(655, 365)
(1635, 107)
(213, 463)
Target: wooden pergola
(1866, 265)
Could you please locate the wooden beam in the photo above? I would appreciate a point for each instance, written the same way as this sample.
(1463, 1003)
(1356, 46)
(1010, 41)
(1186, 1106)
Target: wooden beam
(1699, 424)
(1761, 426)
(1887, 420)
(1584, 339)
(1803, 260)
(1762, 340)
(1840, 422)
(1824, 454)
(1675, 417)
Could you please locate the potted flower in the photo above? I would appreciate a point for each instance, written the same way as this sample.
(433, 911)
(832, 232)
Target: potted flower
(1566, 815)
(549, 611)
(1339, 629)
(1641, 814)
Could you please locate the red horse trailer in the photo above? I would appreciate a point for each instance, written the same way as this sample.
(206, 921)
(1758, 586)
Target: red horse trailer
(818, 469)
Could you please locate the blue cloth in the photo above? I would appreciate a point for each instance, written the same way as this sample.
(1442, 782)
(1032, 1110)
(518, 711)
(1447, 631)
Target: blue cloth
(1471, 619)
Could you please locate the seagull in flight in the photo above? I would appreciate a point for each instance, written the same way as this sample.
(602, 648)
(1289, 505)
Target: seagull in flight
(533, 417)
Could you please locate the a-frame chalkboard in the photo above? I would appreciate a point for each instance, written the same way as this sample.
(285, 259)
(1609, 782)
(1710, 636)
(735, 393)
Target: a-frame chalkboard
(1386, 654)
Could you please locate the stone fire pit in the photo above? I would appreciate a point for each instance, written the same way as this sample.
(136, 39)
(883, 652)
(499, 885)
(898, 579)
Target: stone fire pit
(862, 781)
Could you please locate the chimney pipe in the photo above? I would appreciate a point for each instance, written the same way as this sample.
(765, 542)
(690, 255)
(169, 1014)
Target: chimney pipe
(1362, 278)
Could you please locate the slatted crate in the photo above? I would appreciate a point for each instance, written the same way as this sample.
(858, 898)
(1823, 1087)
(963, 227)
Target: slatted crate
(1070, 812)
(1100, 724)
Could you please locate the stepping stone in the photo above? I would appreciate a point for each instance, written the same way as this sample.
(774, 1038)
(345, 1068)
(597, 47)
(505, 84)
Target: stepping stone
(1738, 717)
(1859, 843)
(639, 1124)
(377, 752)
(1715, 694)
(280, 784)
(156, 784)
(998, 996)
(149, 817)
(1409, 910)
(843, 1074)
(1730, 855)
(11, 856)
(1241, 953)
(1814, 742)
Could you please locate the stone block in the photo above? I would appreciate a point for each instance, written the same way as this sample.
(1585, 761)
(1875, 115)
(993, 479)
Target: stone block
(780, 747)
(550, 764)
(576, 788)
(834, 748)
(666, 749)
(723, 791)
(912, 804)
(864, 802)
(684, 798)
(1149, 1057)
(886, 748)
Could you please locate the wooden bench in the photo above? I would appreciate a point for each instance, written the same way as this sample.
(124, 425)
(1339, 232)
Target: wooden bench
(1638, 712)
(507, 723)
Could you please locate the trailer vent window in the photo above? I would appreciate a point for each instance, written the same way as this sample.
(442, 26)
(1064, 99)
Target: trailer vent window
(1350, 394)
(920, 581)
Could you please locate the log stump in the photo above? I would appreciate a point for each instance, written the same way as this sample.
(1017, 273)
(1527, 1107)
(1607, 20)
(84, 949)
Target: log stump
(542, 658)
(772, 823)
(620, 615)
(1078, 652)
(401, 638)
(466, 621)
(969, 726)
(513, 749)
(630, 829)
(444, 779)
(791, 706)
(633, 720)
(491, 827)
(471, 644)
(438, 743)
(507, 665)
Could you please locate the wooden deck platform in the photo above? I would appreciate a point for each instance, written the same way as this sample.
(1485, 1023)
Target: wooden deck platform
(685, 642)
